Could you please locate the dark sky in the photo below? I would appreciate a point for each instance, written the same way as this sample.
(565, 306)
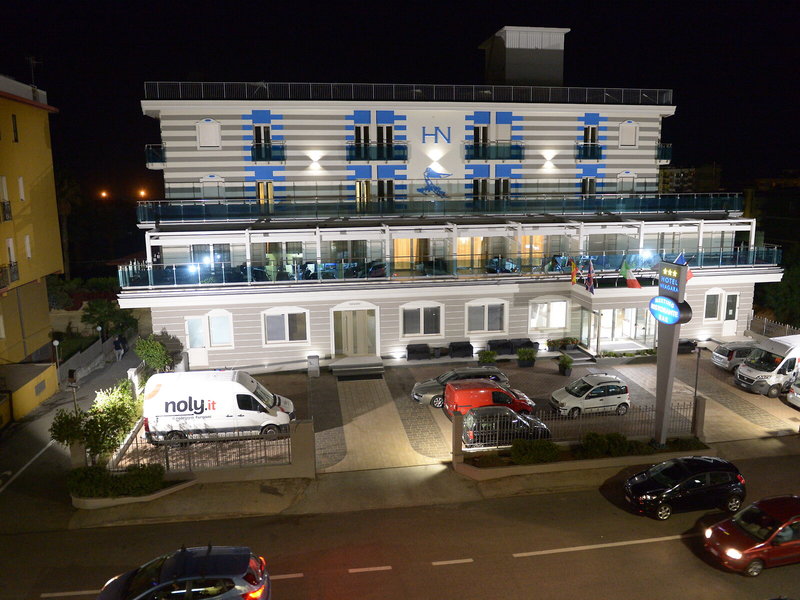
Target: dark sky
(733, 65)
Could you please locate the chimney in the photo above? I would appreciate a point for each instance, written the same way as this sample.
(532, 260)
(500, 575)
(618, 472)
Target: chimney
(525, 56)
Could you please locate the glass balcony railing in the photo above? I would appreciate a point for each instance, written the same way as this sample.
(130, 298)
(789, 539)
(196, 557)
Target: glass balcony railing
(274, 151)
(5, 210)
(155, 153)
(302, 271)
(494, 151)
(664, 152)
(188, 211)
(588, 151)
(377, 151)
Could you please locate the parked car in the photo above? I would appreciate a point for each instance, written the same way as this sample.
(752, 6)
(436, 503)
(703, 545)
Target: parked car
(499, 426)
(729, 356)
(688, 483)
(218, 572)
(598, 392)
(461, 396)
(765, 534)
(431, 391)
(793, 395)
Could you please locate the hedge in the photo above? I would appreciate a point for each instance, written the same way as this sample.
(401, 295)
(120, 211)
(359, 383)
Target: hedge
(98, 482)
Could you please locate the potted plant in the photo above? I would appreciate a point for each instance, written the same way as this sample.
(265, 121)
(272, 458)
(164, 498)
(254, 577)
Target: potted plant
(552, 345)
(565, 365)
(487, 357)
(526, 357)
(570, 343)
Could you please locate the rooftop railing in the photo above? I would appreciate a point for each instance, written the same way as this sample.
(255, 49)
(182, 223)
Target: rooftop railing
(304, 271)
(405, 92)
(215, 210)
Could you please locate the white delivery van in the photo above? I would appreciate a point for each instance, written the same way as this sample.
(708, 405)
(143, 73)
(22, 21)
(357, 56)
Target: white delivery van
(202, 403)
(771, 367)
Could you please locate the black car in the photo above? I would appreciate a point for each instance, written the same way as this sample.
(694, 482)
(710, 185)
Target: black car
(499, 426)
(688, 483)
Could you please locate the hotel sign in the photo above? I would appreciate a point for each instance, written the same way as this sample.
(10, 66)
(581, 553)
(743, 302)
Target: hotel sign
(666, 310)
(669, 307)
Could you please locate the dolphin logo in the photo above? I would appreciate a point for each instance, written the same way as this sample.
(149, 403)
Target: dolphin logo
(430, 187)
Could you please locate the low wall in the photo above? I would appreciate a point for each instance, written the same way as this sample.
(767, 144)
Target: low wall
(95, 503)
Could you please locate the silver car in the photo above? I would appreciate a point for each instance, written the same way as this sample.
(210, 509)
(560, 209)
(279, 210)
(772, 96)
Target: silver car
(431, 391)
(729, 356)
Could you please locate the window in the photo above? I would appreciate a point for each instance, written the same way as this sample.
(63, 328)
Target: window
(21, 187)
(209, 588)
(361, 135)
(500, 398)
(486, 315)
(480, 135)
(421, 319)
(628, 134)
(2, 328)
(590, 134)
(588, 185)
(208, 134)
(3, 189)
(15, 131)
(385, 189)
(220, 328)
(712, 306)
(548, 315)
(28, 246)
(247, 402)
(195, 332)
(285, 325)
(731, 303)
(261, 134)
(719, 477)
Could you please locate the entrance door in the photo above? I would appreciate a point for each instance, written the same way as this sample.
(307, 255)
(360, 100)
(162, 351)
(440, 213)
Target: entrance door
(731, 312)
(196, 342)
(354, 332)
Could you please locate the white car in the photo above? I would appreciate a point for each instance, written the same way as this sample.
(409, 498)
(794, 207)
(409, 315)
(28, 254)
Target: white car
(793, 396)
(598, 392)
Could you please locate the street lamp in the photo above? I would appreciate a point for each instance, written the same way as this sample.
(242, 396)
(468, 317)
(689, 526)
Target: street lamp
(55, 345)
(100, 332)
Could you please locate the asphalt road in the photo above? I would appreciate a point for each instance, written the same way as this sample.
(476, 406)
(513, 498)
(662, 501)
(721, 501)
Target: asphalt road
(576, 545)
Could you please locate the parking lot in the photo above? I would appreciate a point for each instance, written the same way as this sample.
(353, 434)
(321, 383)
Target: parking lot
(373, 423)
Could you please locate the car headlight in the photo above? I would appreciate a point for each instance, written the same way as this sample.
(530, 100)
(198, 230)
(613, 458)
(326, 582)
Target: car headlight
(733, 553)
(707, 532)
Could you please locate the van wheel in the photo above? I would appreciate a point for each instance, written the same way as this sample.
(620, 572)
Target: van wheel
(270, 432)
(437, 401)
(774, 391)
(574, 412)
(622, 409)
(176, 435)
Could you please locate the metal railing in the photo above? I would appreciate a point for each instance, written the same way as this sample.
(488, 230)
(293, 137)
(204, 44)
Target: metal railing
(638, 421)
(376, 151)
(416, 204)
(6, 210)
(208, 452)
(588, 151)
(305, 270)
(262, 90)
(770, 328)
(272, 151)
(497, 150)
(155, 153)
(664, 152)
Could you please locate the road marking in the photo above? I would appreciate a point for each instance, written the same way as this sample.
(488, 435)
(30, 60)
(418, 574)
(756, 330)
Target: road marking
(286, 576)
(667, 538)
(458, 561)
(369, 569)
(65, 594)
(27, 464)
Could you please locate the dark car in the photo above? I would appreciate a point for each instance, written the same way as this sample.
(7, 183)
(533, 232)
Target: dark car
(218, 572)
(688, 483)
(765, 534)
(499, 426)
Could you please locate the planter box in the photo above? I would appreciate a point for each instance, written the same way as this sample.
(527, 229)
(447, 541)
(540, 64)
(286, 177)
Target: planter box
(484, 474)
(95, 503)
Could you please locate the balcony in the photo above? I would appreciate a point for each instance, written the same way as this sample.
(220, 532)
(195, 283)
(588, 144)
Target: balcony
(155, 156)
(500, 150)
(418, 205)
(588, 151)
(403, 92)
(377, 151)
(664, 153)
(5, 210)
(9, 273)
(272, 151)
(468, 267)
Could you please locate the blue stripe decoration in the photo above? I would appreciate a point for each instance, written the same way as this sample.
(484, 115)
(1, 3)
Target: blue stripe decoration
(349, 127)
(263, 173)
(261, 117)
(247, 138)
(401, 127)
(592, 119)
(590, 170)
(506, 117)
(391, 171)
(400, 186)
(507, 170)
(480, 117)
(247, 127)
(278, 138)
(280, 188)
(359, 117)
(360, 172)
(350, 138)
(401, 138)
(384, 117)
(474, 171)
(515, 186)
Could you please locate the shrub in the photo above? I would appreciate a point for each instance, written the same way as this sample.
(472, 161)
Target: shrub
(67, 426)
(97, 482)
(528, 452)
(681, 444)
(153, 353)
(565, 361)
(527, 353)
(487, 356)
(593, 445)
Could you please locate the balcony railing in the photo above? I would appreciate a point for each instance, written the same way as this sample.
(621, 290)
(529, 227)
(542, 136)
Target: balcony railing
(588, 151)
(273, 151)
(664, 152)
(5, 209)
(499, 150)
(190, 211)
(301, 271)
(155, 154)
(9, 273)
(260, 90)
(377, 151)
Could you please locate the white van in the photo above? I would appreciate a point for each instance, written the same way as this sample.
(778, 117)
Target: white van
(198, 403)
(771, 367)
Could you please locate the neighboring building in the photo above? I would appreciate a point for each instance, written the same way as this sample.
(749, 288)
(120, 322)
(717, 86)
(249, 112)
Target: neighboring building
(684, 180)
(354, 219)
(31, 243)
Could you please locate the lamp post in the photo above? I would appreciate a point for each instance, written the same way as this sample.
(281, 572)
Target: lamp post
(100, 332)
(698, 415)
(55, 345)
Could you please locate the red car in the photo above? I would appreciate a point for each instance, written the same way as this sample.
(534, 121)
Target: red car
(765, 534)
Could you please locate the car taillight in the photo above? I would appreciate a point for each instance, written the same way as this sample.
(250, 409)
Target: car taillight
(146, 425)
(740, 478)
(254, 594)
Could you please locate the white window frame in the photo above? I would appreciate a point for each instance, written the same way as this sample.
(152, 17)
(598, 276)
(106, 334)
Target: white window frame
(548, 301)
(720, 293)
(21, 185)
(284, 311)
(486, 302)
(629, 125)
(208, 134)
(28, 252)
(218, 312)
(419, 306)
(2, 328)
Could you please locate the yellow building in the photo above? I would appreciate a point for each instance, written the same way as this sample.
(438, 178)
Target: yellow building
(30, 244)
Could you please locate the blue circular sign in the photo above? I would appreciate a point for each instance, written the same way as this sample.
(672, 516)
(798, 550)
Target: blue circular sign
(665, 310)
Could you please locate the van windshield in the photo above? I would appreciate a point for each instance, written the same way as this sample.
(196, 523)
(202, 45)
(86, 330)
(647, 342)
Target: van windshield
(267, 398)
(762, 360)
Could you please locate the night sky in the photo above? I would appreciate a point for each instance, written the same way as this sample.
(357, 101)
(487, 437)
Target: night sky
(733, 65)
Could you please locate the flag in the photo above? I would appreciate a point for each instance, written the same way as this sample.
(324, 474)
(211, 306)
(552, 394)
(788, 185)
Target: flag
(630, 279)
(590, 279)
(574, 269)
(681, 260)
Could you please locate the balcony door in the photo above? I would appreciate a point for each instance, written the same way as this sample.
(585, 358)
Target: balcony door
(355, 330)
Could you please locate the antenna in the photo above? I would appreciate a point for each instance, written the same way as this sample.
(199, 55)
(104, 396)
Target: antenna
(33, 62)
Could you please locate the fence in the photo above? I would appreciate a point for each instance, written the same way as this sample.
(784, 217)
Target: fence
(768, 328)
(637, 422)
(206, 453)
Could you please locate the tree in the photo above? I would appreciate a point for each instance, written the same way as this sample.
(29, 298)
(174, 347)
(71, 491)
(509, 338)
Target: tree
(153, 353)
(109, 316)
(68, 198)
(782, 297)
